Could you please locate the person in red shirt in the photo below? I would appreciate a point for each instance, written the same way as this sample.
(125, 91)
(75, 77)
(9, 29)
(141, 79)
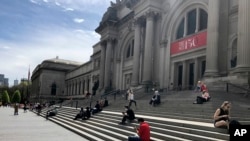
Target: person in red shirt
(143, 132)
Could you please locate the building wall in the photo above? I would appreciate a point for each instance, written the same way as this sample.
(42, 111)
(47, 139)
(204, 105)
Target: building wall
(143, 43)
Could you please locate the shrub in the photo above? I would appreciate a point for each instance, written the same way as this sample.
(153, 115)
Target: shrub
(16, 97)
(5, 98)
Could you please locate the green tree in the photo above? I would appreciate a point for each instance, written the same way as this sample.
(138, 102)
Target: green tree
(16, 97)
(5, 97)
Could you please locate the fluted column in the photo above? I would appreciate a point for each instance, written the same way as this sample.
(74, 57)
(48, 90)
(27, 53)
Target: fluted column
(184, 74)
(243, 47)
(212, 38)
(108, 64)
(136, 57)
(147, 66)
(102, 67)
(196, 70)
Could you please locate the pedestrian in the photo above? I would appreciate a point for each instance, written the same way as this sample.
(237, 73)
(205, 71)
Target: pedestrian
(143, 131)
(16, 109)
(131, 98)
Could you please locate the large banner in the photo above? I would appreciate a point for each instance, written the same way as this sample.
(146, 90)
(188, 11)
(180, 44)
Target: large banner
(189, 43)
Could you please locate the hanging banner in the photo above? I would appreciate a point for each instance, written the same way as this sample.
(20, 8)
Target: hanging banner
(189, 43)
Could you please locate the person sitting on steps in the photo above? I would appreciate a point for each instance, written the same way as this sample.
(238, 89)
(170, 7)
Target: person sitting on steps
(87, 114)
(51, 113)
(203, 98)
(80, 114)
(222, 115)
(127, 114)
(156, 99)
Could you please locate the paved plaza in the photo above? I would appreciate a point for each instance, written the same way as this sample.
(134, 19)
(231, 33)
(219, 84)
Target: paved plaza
(30, 127)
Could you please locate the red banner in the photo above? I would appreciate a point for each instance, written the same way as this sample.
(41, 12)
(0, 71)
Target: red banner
(189, 43)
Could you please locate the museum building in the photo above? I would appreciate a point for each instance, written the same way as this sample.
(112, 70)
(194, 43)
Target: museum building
(166, 44)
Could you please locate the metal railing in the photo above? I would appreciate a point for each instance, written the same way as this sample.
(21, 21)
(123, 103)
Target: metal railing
(241, 89)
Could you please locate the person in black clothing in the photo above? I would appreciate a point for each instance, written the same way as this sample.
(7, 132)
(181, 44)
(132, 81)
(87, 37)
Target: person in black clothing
(222, 116)
(51, 113)
(86, 114)
(128, 114)
(97, 108)
(106, 102)
(80, 114)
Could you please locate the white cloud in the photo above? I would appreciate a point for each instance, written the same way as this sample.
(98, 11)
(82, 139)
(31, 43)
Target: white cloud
(78, 20)
(5, 47)
(57, 3)
(69, 9)
(33, 1)
(45, 1)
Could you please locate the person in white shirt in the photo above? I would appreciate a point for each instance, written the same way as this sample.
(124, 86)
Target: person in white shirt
(131, 98)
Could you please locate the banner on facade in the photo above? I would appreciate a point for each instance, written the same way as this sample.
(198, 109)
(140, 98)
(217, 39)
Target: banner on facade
(189, 43)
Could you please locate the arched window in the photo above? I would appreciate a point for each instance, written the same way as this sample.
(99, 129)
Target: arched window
(195, 21)
(180, 31)
(128, 52)
(234, 54)
(53, 89)
(203, 20)
(130, 49)
(191, 22)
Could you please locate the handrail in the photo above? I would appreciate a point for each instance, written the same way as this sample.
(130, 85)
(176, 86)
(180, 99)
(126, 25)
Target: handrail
(237, 86)
(114, 92)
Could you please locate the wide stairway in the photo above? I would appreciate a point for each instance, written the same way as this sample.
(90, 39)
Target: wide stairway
(176, 118)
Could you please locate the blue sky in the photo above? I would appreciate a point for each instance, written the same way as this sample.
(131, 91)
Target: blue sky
(35, 30)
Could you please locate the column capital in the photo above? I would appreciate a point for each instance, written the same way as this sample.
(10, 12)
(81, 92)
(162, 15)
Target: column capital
(164, 42)
(151, 14)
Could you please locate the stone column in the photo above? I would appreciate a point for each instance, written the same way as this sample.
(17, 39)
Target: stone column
(136, 57)
(86, 84)
(212, 38)
(147, 66)
(102, 67)
(184, 75)
(81, 87)
(108, 64)
(196, 70)
(243, 47)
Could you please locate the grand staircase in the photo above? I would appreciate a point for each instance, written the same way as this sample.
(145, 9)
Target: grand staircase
(176, 118)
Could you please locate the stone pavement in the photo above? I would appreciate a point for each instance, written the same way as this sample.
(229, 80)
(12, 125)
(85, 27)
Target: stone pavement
(30, 127)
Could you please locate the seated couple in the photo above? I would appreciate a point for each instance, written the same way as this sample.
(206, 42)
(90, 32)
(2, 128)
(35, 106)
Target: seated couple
(83, 114)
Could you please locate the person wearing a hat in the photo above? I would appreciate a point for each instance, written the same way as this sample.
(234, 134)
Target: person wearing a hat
(128, 114)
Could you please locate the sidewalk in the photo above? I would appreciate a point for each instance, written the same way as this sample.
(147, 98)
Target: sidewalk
(30, 127)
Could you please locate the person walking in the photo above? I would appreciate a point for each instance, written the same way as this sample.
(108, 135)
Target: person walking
(143, 131)
(131, 98)
(16, 109)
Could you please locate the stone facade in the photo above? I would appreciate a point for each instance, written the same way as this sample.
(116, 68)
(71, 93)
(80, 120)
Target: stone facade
(168, 44)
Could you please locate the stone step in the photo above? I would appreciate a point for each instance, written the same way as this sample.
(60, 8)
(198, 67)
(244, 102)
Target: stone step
(158, 127)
